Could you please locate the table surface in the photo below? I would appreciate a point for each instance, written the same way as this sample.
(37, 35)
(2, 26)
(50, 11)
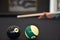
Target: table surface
(49, 29)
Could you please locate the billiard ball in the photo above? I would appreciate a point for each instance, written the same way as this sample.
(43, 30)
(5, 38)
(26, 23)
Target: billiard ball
(13, 32)
(31, 32)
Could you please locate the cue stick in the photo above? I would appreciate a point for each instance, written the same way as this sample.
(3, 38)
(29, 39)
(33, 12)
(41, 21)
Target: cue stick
(29, 15)
(36, 14)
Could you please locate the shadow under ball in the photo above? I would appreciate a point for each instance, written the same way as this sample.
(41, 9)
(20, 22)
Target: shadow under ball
(13, 32)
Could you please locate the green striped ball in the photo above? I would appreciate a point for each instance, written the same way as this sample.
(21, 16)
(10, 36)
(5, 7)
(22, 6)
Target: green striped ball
(31, 32)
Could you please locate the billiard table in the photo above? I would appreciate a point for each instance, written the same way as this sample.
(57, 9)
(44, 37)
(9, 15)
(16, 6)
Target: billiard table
(49, 29)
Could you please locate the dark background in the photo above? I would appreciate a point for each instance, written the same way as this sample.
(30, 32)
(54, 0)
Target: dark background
(49, 29)
(43, 5)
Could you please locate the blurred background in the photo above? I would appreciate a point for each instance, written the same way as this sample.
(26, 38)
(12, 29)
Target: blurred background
(6, 6)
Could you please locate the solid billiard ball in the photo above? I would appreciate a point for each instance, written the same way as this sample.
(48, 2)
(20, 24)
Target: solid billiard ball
(13, 32)
(31, 32)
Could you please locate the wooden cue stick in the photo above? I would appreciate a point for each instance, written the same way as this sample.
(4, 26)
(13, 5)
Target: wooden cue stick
(36, 14)
(29, 15)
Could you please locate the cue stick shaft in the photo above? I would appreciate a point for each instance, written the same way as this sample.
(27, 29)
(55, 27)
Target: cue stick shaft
(36, 14)
(29, 15)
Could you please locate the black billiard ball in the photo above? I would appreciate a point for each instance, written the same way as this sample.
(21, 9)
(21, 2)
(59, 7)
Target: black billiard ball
(13, 32)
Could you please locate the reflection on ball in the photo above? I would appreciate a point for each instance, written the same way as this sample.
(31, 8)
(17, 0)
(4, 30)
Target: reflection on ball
(31, 32)
(13, 32)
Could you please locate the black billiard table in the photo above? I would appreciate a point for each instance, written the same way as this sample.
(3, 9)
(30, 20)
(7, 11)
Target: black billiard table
(49, 29)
